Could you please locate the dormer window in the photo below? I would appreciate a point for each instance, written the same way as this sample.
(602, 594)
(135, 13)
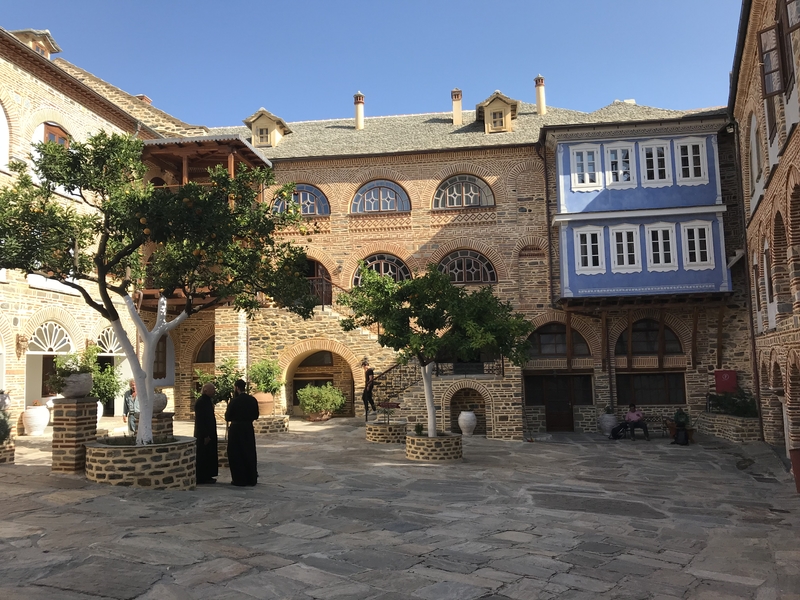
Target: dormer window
(263, 135)
(497, 119)
(39, 49)
(266, 129)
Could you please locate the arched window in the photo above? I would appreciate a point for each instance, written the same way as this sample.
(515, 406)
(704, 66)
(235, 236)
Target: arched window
(157, 182)
(463, 190)
(206, 352)
(755, 154)
(108, 343)
(160, 359)
(550, 341)
(385, 264)
(468, 266)
(647, 341)
(380, 196)
(50, 338)
(311, 200)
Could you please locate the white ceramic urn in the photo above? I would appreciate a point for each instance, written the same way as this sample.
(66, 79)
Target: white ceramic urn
(607, 422)
(35, 419)
(159, 402)
(467, 422)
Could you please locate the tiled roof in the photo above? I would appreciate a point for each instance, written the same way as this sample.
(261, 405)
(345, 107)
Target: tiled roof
(435, 131)
(163, 123)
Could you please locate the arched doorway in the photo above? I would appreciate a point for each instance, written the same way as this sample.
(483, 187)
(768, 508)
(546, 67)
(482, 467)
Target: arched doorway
(48, 341)
(111, 356)
(472, 400)
(318, 368)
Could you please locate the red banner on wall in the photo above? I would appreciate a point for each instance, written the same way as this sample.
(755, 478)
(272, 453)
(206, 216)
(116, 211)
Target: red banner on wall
(725, 381)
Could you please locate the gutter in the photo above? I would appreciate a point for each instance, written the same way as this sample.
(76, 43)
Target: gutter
(738, 52)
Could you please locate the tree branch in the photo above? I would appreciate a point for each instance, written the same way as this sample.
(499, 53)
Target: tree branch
(86, 297)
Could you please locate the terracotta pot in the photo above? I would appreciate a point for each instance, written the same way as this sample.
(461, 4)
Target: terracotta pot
(77, 385)
(266, 402)
(320, 416)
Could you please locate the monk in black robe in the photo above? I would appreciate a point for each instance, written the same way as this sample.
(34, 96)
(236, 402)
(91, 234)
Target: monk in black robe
(205, 432)
(241, 413)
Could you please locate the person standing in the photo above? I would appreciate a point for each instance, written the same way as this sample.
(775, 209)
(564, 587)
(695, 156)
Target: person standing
(242, 457)
(205, 432)
(635, 418)
(130, 410)
(369, 384)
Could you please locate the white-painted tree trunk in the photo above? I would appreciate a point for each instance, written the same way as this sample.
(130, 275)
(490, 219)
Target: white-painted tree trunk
(427, 383)
(142, 367)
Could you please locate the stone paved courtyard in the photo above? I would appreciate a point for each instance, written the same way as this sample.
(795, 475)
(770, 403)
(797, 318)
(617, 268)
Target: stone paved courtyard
(337, 517)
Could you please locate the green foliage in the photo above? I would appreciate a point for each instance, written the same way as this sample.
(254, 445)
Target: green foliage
(107, 381)
(320, 399)
(223, 381)
(213, 242)
(738, 404)
(419, 428)
(265, 374)
(5, 426)
(70, 364)
(428, 316)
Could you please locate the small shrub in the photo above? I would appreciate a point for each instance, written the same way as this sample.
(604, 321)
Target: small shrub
(315, 399)
(419, 428)
(737, 404)
(228, 374)
(266, 376)
(5, 427)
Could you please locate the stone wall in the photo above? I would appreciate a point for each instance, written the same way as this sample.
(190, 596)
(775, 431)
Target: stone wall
(444, 447)
(162, 425)
(169, 466)
(7, 452)
(733, 429)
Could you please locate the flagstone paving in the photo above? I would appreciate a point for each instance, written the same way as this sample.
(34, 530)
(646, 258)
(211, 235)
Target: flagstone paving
(334, 516)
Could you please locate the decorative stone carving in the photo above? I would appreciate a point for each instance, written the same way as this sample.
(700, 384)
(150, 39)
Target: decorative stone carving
(22, 345)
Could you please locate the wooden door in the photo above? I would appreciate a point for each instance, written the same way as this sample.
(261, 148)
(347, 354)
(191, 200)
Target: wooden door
(558, 403)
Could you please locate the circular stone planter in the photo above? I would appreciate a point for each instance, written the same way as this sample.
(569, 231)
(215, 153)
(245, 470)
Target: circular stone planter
(444, 447)
(271, 424)
(168, 466)
(383, 433)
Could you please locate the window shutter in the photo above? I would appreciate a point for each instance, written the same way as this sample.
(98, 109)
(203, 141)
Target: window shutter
(768, 45)
(792, 15)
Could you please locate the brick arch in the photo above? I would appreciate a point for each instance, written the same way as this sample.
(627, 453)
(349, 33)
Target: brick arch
(776, 374)
(7, 339)
(473, 244)
(536, 166)
(373, 173)
(579, 324)
(349, 268)
(677, 326)
(472, 385)
(530, 241)
(292, 356)
(792, 397)
(53, 116)
(326, 261)
(192, 345)
(5, 117)
(428, 189)
(781, 282)
(63, 318)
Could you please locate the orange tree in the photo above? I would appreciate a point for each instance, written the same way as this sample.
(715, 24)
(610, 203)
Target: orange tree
(90, 222)
(427, 316)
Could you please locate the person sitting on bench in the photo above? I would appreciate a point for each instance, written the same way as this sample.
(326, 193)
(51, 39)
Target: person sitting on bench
(634, 418)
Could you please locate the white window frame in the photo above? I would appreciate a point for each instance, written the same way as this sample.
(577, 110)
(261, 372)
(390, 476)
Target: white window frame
(698, 266)
(661, 266)
(625, 228)
(3, 275)
(620, 185)
(590, 269)
(497, 124)
(598, 167)
(656, 183)
(691, 180)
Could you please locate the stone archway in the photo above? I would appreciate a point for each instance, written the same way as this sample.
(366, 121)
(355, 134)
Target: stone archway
(468, 395)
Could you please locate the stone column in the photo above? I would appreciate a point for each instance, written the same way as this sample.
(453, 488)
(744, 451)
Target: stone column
(74, 424)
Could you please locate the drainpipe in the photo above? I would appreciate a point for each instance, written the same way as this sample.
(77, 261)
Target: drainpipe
(748, 286)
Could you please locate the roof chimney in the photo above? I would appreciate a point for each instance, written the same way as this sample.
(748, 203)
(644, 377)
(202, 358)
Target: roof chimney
(358, 100)
(143, 98)
(541, 107)
(455, 95)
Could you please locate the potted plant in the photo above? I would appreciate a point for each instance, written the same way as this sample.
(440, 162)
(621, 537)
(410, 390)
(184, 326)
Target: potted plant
(73, 374)
(607, 421)
(320, 402)
(265, 375)
(107, 382)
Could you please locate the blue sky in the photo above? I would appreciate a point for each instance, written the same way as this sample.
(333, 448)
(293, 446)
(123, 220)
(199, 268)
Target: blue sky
(215, 63)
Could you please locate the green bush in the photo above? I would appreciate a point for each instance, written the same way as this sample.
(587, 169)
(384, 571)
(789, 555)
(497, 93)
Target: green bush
(266, 376)
(5, 426)
(107, 381)
(323, 399)
(737, 404)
